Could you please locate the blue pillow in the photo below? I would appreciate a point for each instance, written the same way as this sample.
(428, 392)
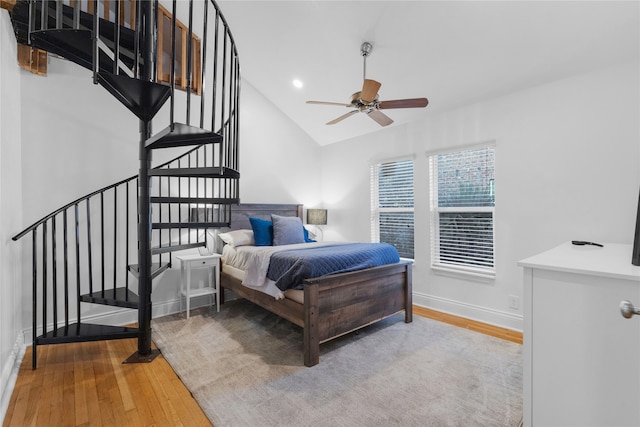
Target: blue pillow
(262, 231)
(287, 230)
(306, 236)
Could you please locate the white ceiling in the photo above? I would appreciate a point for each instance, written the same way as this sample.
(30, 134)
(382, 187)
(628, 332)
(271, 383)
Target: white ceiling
(452, 52)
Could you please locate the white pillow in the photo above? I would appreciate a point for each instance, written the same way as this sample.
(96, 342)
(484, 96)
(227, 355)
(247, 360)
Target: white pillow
(238, 238)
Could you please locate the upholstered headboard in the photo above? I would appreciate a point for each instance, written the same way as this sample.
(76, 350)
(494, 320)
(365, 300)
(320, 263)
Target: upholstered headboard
(241, 213)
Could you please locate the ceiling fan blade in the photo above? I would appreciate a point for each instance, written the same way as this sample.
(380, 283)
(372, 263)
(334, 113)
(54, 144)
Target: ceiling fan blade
(369, 90)
(404, 103)
(341, 104)
(380, 117)
(342, 117)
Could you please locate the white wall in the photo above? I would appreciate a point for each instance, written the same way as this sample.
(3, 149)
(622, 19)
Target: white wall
(567, 167)
(76, 138)
(11, 302)
(279, 162)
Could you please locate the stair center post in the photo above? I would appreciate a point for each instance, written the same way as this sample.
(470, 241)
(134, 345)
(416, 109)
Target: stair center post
(144, 242)
(145, 353)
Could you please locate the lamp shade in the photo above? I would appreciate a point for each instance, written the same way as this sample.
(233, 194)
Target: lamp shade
(317, 216)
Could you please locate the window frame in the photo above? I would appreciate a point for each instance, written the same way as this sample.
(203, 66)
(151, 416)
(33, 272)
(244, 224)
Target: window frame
(376, 210)
(435, 211)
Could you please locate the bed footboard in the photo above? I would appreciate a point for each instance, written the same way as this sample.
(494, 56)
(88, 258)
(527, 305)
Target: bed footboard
(341, 303)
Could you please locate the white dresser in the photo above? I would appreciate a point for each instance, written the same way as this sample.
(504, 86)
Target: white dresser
(581, 356)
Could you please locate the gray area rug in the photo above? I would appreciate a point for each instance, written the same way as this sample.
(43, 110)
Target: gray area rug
(245, 367)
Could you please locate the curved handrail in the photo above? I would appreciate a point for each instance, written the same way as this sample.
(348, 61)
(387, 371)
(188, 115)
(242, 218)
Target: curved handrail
(67, 206)
(96, 192)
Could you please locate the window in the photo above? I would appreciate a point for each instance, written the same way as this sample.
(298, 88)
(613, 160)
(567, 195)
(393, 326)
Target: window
(392, 205)
(462, 202)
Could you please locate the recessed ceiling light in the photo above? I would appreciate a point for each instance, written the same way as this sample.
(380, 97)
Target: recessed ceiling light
(297, 83)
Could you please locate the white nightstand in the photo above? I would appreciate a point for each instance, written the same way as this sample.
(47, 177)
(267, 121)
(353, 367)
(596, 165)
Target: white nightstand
(190, 262)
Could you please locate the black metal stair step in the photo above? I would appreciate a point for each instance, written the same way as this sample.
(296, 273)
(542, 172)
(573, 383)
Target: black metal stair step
(182, 135)
(198, 200)
(175, 248)
(82, 332)
(204, 172)
(144, 99)
(75, 45)
(156, 269)
(20, 19)
(118, 297)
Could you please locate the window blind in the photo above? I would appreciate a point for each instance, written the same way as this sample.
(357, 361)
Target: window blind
(392, 205)
(462, 201)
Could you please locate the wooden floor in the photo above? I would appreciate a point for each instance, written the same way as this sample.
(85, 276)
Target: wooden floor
(86, 384)
(483, 328)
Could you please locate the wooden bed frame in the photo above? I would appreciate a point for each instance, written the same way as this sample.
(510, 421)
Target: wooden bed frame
(334, 305)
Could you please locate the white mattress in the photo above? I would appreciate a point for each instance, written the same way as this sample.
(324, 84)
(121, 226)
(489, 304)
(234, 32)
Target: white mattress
(250, 264)
(296, 295)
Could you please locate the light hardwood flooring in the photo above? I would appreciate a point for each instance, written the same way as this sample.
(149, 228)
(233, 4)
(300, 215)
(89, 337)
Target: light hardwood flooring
(483, 328)
(86, 384)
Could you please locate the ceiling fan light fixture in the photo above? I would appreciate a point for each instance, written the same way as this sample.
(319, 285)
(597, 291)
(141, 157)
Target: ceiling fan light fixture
(366, 101)
(366, 48)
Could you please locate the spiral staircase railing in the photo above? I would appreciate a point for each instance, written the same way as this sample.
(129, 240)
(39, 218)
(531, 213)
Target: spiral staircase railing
(89, 250)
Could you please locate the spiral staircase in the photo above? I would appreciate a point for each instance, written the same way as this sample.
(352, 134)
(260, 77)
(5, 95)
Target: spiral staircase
(92, 250)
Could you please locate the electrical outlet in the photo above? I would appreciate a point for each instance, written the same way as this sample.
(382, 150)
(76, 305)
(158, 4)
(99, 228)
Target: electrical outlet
(514, 302)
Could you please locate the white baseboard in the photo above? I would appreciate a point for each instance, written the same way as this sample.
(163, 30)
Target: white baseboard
(174, 306)
(490, 316)
(10, 374)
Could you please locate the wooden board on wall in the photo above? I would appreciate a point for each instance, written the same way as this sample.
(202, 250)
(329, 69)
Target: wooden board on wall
(32, 59)
(7, 4)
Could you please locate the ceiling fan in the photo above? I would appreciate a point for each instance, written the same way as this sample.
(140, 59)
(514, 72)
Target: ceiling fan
(366, 101)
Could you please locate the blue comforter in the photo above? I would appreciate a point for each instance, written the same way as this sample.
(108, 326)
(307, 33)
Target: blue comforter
(289, 268)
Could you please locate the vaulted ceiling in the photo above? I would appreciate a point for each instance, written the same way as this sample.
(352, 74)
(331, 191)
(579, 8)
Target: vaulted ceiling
(452, 52)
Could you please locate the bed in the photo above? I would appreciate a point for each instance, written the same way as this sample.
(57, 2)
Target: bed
(332, 305)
